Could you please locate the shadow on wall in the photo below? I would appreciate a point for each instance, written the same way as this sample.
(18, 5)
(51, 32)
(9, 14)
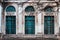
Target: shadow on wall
(5, 0)
(59, 31)
(16, 0)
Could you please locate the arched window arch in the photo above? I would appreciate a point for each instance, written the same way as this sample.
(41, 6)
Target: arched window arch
(29, 9)
(48, 9)
(10, 9)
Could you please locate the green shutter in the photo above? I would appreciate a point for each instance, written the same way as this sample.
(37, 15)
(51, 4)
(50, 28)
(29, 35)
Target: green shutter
(10, 25)
(49, 24)
(29, 25)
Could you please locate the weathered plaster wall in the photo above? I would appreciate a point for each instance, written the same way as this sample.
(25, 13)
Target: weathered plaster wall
(39, 16)
(0, 16)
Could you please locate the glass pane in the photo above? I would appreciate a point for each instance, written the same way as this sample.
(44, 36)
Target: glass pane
(48, 9)
(29, 9)
(49, 24)
(10, 24)
(29, 24)
(10, 9)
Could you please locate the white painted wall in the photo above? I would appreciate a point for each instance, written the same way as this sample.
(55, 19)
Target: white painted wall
(39, 27)
(20, 20)
(0, 17)
(59, 17)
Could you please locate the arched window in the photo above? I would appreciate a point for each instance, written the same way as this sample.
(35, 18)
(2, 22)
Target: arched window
(48, 9)
(29, 9)
(10, 9)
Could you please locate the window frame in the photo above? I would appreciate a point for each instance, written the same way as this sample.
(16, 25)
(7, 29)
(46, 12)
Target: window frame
(29, 9)
(49, 27)
(48, 9)
(14, 9)
(33, 20)
(13, 25)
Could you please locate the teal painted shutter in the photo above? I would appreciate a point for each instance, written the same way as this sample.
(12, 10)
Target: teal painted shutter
(10, 25)
(29, 25)
(49, 24)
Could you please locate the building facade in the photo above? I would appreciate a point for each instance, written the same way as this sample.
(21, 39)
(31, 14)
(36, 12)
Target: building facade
(30, 17)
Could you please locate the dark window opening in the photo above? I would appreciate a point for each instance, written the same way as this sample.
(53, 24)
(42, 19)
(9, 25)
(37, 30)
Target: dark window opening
(48, 24)
(29, 24)
(48, 9)
(51, 0)
(10, 9)
(10, 25)
(29, 9)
